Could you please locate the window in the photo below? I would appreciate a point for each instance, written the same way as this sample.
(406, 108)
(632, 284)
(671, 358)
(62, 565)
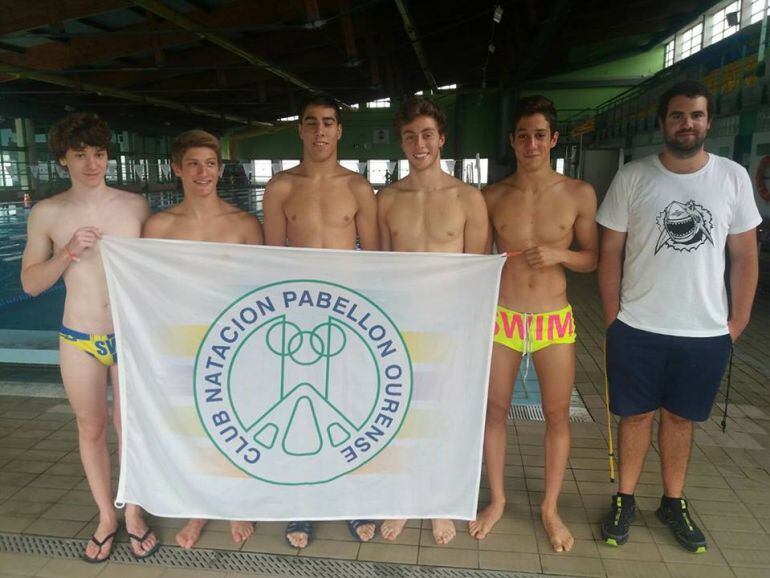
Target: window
(475, 171)
(720, 28)
(403, 168)
(262, 170)
(448, 87)
(668, 58)
(9, 170)
(378, 172)
(288, 164)
(112, 171)
(755, 12)
(289, 118)
(164, 170)
(350, 165)
(692, 40)
(382, 103)
(125, 174)
(560, 165)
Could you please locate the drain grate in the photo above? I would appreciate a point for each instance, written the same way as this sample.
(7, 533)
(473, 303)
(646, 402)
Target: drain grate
(254, 563)
(535, 413)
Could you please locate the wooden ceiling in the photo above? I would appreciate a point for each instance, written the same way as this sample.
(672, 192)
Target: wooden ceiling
(219, 64)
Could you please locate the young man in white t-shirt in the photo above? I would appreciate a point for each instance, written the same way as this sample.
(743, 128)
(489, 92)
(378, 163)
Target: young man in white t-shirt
(669, 328)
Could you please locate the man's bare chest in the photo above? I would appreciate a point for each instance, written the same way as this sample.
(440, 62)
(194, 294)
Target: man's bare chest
(119, 222)
(332, 208)
(443, 218)
(535, 220)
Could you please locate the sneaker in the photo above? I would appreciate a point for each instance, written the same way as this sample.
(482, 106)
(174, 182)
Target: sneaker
(616, 525)
(676, 515)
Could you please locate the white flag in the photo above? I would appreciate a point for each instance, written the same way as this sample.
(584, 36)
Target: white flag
(266, 383)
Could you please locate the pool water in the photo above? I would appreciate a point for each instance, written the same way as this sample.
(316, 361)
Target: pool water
(44, 312)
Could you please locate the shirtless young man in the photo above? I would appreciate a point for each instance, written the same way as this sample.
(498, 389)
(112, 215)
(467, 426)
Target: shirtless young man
(323, 205)
(203, 216)
(428, 210)
(62, 240)
(535, 214)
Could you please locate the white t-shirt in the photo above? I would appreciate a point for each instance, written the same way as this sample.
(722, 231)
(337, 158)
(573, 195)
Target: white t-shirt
(677, 227)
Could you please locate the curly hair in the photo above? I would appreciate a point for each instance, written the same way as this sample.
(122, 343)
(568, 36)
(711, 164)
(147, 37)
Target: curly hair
(690, 89)
(77, 131)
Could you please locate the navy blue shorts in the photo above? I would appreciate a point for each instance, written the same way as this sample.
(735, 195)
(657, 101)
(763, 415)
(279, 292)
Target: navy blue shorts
(647, 371)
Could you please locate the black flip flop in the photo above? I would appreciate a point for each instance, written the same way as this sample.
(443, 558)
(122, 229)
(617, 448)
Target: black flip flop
(140, 540)
(299, 528)
(354, 525)
(101, 543)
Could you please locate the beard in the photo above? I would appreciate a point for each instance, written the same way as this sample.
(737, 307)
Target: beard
(684, 149)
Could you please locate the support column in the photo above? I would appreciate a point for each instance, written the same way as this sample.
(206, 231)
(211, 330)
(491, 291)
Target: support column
(25, 138)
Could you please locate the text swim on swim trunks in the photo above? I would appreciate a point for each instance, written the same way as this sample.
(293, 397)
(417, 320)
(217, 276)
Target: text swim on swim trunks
(301, 325)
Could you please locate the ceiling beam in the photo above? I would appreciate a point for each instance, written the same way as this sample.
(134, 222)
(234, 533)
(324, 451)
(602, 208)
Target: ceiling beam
(83, 51)
(312, 12)
(23, 16)
(348, 33)
(55, 79)
(215, 38)
(414, 38)
(186, 69)
(12, 48)
(543, 41)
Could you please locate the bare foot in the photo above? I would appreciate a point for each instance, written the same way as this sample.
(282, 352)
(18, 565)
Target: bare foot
(366, 531)
(103, 530)
(390, 529)
(297, 539)
(136, 525)
(300, 537)
(188, 536)
(241, 531)
(486, 520)
(443, 531)
(558, 534)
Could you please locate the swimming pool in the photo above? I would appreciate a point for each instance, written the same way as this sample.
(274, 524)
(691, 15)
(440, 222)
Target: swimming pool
(44, 312)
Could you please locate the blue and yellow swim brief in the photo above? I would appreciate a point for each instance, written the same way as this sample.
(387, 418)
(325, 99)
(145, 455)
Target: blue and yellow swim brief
(100, 347)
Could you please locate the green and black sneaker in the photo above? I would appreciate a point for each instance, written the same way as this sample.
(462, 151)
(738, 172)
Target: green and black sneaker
(616, 524)
(676, 515)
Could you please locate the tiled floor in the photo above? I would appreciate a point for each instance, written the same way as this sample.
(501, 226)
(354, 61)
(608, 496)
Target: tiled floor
(43, 491)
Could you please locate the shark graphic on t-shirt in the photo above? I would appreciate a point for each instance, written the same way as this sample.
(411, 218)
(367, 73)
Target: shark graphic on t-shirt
(684, 226)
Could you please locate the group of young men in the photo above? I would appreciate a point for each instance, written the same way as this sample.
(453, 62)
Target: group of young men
(669, 328)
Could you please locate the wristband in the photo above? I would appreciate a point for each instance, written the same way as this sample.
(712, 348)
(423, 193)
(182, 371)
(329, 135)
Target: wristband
(71, 256)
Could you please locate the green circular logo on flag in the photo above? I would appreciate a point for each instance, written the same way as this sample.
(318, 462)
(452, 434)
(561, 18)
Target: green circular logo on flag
(301, 382)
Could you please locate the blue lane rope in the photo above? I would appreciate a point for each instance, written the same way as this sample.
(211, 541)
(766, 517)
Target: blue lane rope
(21, 297)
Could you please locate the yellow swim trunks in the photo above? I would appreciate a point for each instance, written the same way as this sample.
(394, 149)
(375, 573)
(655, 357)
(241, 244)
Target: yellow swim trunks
(530, 332)
(100, 347)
